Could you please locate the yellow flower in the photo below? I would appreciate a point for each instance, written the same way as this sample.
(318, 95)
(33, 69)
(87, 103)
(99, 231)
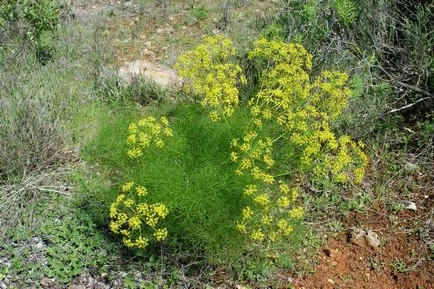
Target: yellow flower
(114, 227)
(257, 235)
(296, 213)
(247, 213)
(284, 227)
(241, 228)
(284, 189)
(132, 128)
(160, 234)
(159, 143)
(164, 121)
(263, 199)
(234, 142)
(134, 222)
(141, 191)
(266, 220)
(161, 210)
(143, 209)
(234, 156)
(113, 210)
(129, 203)
(250, 190)
(134, 153)
(127, 242)
(294, 194)
(258, 122)
(168, 131)
(283, 202)
(141, 242)
(214, 116)
(131, 139)
(127, 187)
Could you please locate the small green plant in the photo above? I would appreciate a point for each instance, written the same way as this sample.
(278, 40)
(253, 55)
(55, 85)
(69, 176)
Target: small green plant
(201, 13)
(347, 11)
(336, 227)
(310, 10)
(375, 265)
(399, 266)
(273, 32)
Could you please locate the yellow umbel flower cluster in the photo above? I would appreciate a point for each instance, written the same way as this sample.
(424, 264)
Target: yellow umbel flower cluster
(135, 219)
(305, 110)
(268, 218)
(254, 156)
(146, 132)
(212, 75)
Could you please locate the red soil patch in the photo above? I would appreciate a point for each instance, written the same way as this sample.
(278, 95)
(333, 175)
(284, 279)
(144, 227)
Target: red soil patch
(401, 261)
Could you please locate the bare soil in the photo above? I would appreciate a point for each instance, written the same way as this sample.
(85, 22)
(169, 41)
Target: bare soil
(403, 259)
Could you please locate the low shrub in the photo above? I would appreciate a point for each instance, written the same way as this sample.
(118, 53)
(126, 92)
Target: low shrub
(223, 174)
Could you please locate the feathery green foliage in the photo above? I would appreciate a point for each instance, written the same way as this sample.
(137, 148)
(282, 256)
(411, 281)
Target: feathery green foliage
(347, 11)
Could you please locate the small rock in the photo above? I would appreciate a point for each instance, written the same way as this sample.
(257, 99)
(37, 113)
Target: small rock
(411, 168)
(330, 281)
(410, 205)
(357, 236)
(332, 253)
(372, 239)
(160, 74)
(334, 263)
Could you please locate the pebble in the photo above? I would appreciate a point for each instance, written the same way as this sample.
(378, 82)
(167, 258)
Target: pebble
(357, 236)
(372, 239)
(330, 281)
(410, 205)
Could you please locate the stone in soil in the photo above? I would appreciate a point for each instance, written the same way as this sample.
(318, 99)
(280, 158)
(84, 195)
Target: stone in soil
(161, 74)
(357, 236)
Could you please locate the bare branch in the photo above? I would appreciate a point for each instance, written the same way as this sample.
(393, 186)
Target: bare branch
(411, 104)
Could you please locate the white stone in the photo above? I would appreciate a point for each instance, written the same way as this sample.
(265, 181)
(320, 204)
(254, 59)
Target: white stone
(159, 73)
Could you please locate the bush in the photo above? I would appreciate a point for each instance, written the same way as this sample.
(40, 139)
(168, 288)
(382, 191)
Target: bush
(239, 169)
(39, 103)
(382, 43)
(31, 22)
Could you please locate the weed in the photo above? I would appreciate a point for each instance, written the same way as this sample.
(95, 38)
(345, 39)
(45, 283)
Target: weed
(201, 13)
(399, 266)
(57, 246)
(376, 265)
(335, 227)
(346, 10)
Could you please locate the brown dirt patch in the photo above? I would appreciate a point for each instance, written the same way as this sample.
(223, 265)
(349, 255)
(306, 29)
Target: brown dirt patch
(402, 261)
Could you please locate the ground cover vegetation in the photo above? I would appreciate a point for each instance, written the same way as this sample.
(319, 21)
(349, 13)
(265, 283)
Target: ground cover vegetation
(291, 128)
